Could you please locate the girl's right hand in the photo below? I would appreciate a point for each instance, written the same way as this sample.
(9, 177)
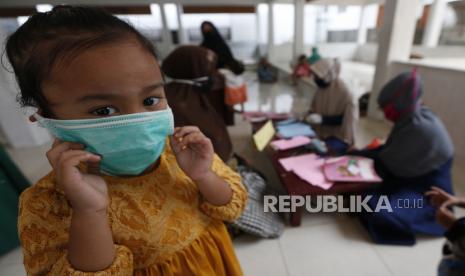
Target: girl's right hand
(86, 192)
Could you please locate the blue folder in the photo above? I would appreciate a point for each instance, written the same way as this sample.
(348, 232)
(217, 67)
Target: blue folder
(295, 129)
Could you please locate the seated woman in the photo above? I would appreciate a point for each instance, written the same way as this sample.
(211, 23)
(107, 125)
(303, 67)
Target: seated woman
(192, 70)
(266, 72)
(301, 69)
(314, 57)
(334, 111)
(417, 155)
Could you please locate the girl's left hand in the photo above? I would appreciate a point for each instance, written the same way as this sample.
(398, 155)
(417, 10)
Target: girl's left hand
(193, 150)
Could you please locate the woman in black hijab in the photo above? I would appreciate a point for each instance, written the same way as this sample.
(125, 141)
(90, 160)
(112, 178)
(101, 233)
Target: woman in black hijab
(212, 40)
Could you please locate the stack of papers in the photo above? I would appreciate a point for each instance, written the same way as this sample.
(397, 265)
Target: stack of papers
(308, 167)
(324, 173)
(264, 135)
(294, 129)
(295, 142)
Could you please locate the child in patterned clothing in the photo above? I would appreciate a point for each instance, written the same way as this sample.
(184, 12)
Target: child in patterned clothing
(128, 194)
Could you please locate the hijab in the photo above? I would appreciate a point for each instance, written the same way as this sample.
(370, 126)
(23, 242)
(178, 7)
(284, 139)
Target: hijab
(315, 56)
(187, 68)
(333, 98)
(326, 70)
(419, 142)
(214, 41)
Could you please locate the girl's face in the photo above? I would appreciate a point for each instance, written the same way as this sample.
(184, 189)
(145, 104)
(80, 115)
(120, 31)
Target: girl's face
(107, 80)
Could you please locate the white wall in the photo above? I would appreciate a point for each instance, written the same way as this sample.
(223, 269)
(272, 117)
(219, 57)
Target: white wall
(243, 27)
(345, 19)
(444, 93)
(262, 11)
(366, 53)
(440, 51)
(310, 24)
(343, 51)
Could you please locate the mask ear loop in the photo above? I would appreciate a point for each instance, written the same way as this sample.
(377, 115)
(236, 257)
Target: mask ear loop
(198, 82)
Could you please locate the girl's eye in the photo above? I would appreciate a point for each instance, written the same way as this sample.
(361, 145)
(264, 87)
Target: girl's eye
(151, 101)
(104, 111)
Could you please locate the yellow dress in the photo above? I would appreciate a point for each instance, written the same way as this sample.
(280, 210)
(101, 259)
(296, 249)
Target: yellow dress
(160, 225)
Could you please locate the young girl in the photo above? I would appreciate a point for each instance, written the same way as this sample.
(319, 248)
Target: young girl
(128, 194)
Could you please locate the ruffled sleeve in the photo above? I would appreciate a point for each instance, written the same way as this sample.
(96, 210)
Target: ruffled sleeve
(233, 209)
(121, 266)
(43, 224)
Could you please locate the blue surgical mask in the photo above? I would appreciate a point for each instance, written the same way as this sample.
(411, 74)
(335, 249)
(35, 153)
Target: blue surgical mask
(128, 144)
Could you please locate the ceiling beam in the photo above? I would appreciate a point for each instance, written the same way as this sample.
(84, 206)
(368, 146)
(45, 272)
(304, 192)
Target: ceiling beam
(32, 3)
(218, 9)
(17, 11)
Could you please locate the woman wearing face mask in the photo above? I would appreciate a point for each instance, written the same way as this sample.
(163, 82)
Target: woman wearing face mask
(129, 194)
(191, 71)
(417, 155)
(213, 40)
(334, 111)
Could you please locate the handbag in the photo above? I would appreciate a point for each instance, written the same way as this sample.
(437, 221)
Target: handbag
(235, 88)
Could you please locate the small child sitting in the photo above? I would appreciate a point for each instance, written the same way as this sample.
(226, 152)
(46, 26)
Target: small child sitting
(302, 69)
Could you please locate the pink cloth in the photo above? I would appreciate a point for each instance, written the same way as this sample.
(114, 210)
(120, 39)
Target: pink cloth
(309, 167)
(295, 142)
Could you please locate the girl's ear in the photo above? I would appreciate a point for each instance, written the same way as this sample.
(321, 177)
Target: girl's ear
(32, 119)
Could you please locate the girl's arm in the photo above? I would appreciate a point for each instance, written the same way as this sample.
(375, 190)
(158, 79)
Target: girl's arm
(44, 222)
(232, 209)
(90, 246)
(214, 189)
(222, 190)
(194, 153)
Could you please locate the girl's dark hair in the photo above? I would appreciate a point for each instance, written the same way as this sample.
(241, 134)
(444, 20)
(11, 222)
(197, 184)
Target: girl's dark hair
(57, 36)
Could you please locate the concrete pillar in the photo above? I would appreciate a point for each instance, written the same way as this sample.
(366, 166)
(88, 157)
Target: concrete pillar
(434, 23)
(321, 26)
(166, 34)
(257, 26)
(394, 44)
(270, 30)
(182, 34)
(298, 48)
(362, 28)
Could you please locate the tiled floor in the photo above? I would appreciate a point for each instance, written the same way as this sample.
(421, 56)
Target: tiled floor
(325, 244)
